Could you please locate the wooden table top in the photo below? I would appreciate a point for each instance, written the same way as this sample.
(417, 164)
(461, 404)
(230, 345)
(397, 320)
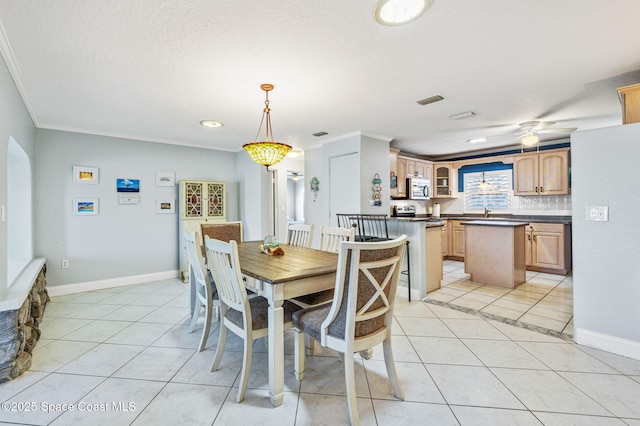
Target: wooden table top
(295, 264)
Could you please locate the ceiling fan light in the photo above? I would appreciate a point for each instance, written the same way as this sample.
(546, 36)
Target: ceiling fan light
(529, 140)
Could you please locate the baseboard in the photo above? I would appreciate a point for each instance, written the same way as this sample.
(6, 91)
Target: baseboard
(615, 345)
(61, 290)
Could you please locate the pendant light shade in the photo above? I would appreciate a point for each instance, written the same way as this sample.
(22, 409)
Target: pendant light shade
(267, 152)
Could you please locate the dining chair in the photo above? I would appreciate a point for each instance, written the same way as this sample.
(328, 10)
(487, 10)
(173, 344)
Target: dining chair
(245, 317)
(330, 237)
(204, 289)
(361, 313)
(223, 231)
(300, 235)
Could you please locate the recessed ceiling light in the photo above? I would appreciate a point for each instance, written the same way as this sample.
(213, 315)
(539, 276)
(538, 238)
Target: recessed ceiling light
(398, 12)
(477, 140)
(211, 123)
(318, 134)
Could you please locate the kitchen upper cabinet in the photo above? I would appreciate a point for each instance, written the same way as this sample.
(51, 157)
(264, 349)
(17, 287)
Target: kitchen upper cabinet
(401, 172)
(411, 167)
(630, 100)
(442, 180)
(548, 247)
(543, 173)
(393, 168)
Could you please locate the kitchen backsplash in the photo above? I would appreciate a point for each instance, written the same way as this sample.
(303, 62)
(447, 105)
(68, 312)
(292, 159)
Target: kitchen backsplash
(556, 205)
(550, 205)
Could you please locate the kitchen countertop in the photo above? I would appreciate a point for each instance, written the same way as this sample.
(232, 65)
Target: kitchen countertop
(481, 222)
(564, 220)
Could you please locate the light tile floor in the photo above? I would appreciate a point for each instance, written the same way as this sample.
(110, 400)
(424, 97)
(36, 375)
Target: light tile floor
(122, 356)
(544, 303)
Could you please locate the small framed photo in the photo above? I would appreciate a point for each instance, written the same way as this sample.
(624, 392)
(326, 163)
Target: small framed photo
(86, 175)
(128, 185)
(165, 179)
(85, 206)
(165, 206)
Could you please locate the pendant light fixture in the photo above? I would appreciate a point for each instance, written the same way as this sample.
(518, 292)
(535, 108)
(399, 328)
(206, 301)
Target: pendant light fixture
(267, 152)
(484, 185)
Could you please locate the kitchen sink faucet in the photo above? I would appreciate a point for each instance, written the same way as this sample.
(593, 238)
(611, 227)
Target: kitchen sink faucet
(486, 212)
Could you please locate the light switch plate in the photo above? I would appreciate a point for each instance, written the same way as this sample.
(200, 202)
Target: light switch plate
(597, 213)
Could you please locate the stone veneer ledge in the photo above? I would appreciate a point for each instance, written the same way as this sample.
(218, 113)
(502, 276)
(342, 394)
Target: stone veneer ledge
(20, 327)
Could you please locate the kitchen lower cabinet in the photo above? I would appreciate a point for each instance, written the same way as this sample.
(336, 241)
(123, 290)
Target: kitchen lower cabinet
(548, 247)
(456, 242)
(445, 238)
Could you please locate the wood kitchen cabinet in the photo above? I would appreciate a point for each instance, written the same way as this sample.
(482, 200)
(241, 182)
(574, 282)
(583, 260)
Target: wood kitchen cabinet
(542, 173)
(445, 238)
(456, 241)
(409, 167)
(393, 168)
(630, 100)
(423, 169)
(442, 180)
(548, 247)
(401, 173)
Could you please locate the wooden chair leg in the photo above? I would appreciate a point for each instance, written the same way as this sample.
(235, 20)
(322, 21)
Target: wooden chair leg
(310, 345)
(194, 318)
(246, 367)
(299, 354)
(222, 341)
(391, 369)
(350, 379)
(207, 328)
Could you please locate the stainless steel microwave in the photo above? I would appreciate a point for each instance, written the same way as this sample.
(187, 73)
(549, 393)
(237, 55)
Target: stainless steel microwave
(418, 188)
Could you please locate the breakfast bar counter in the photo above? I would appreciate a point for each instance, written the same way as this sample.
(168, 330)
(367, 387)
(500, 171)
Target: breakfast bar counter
(495, 252)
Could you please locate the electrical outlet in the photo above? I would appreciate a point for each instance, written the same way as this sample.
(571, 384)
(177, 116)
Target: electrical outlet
(597, 213)
(64, 264)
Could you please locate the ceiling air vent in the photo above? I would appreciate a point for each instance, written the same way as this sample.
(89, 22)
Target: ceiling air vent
(463, 115)
(430, 100)
(318, 134)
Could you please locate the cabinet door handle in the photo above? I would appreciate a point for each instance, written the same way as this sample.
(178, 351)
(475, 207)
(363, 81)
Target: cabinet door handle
(541, 190)
(529, 236)
(534, 238)
(536, 189)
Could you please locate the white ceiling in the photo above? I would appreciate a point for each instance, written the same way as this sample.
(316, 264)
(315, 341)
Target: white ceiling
(152, 69)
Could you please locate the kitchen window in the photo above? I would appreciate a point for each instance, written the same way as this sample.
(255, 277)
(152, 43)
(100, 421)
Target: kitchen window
(494, 194)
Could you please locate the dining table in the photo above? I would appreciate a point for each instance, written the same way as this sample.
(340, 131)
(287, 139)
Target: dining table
(297, 272)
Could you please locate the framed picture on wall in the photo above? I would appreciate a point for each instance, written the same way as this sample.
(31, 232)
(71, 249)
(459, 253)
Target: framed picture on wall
(165, 179)
(128, 185)
(85, 207)
(86, 175)
(165, 206)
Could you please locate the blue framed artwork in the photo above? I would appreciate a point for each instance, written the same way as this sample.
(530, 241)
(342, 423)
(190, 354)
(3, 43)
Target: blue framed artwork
(128, 185)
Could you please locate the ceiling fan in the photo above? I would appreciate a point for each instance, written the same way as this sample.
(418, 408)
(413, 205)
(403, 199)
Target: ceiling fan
(529, 130)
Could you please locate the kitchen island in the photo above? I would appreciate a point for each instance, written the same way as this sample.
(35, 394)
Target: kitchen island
(424, 251)
(495, 252)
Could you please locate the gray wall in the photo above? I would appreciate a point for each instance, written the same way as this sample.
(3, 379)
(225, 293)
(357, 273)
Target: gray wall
(605, 254)
(14, 121)
(123, 240)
